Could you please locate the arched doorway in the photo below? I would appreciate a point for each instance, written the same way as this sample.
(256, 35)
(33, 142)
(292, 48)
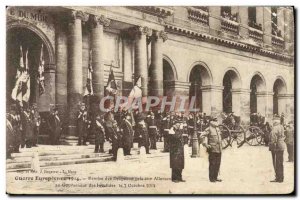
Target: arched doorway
(29, 40)
(279, 88)
(257, 85)
(230, 81)
(199, 76)
(168, 77)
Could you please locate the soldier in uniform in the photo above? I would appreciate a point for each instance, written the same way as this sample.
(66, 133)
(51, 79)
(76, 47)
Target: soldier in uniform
(176, 151)
(36, 124)
(142, 132)
(99, 132)
(159, 118)
(152, 129)
(190, 124)
(127, 135)
(214, 148)
(166, 126)
(27, 127)
(15, 122)
(82, 125)
(112, 133)
(55, 126)
(277, 146)
(289, 140)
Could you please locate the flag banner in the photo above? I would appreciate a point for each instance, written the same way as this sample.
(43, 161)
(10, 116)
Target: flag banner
(89, 81)
(41, 78)
(111, 87)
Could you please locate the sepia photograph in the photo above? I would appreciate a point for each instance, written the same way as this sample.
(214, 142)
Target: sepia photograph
(150, 100)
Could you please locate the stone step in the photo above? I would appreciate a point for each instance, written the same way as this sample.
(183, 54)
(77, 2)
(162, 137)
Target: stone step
(27, 164)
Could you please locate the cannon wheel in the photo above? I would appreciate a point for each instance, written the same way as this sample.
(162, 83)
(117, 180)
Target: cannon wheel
(254, 136)
(226, 136)
(240, 136)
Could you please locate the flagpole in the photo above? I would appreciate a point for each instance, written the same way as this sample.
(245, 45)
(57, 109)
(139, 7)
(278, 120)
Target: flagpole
(195, 138)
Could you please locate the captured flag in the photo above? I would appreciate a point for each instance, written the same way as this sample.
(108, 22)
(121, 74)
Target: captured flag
(89, 84)
(111, 86)
(136, 91)
(41, 78)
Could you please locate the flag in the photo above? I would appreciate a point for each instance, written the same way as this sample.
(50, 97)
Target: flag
(136, 91)
(111, 86)
(21, 91)
(41, 78)
(26, 85)
(89, 84)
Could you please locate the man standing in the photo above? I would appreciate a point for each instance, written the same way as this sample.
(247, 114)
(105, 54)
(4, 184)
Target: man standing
(151, 121)
(127, 135)
(142, 132)
(82, 125)
(176, 151)
(166, 126)
(55, 125)
(214, 148)
(98, 129)
(276, 146)
(289, 140)
(36, 124)
(27, 127)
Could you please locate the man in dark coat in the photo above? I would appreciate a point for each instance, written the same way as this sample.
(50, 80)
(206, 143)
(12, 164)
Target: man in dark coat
(55, 126)
(82, 125)
(142, 132)
(99, 132)
(289, 140)
(214, 148)
(112, 133)
(176, 151)
(127, 135)
(167, 124)
(36, 124)
(190, 126)
(15, 122)
(277, 146)
(152, 129)
(27, 127)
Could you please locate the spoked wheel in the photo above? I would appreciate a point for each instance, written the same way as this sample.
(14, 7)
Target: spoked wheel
(239, 135)
(254, 136)
(226, 136)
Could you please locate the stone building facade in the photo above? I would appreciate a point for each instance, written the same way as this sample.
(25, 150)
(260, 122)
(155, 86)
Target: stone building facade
(233, 58)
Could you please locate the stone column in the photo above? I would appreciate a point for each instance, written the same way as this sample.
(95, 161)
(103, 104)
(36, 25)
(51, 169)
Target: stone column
(212, 97)
(267, 37)
(156, 72)
(289, 103)
(280, 20)
(244, 104)
(243, 14)
(61, 50)
(141, 67)
(269, 105)
(214, 19)
(98, 23)
(74, 84)
(179, 90)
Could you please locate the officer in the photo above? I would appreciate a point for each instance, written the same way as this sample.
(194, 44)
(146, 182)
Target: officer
(152, 129)
(36, 124)
(142, 132)
(112, 133)
(82, 125)
(277, 146)
(127, 134)
(27, 127)
(166, 126)
(159, 124)
(176, 151)
(214, 148)
(55, 126)
(99, 132)
(185, 131)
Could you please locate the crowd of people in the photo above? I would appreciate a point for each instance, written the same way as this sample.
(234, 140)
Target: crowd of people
(175, 129)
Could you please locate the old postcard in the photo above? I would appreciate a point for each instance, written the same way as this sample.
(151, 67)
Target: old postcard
(150, 100)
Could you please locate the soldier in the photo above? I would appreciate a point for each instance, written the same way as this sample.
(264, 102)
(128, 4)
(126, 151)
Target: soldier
(36, 124)
(55, 126)
(15, 121)
(159, 123)
(27, 127)
(282, 119)
(190, 123)
(82, 125)
(142, 132)
(289, 140)
(176, 151)
(276, 146)
(10, 136)
(127, 135)
(112, 133)
(152, 128)
(99, 132)
(214, 148)
(166, 126)
(185, 131)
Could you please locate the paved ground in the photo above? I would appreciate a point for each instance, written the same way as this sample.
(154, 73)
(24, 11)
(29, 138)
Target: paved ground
(246, 170)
